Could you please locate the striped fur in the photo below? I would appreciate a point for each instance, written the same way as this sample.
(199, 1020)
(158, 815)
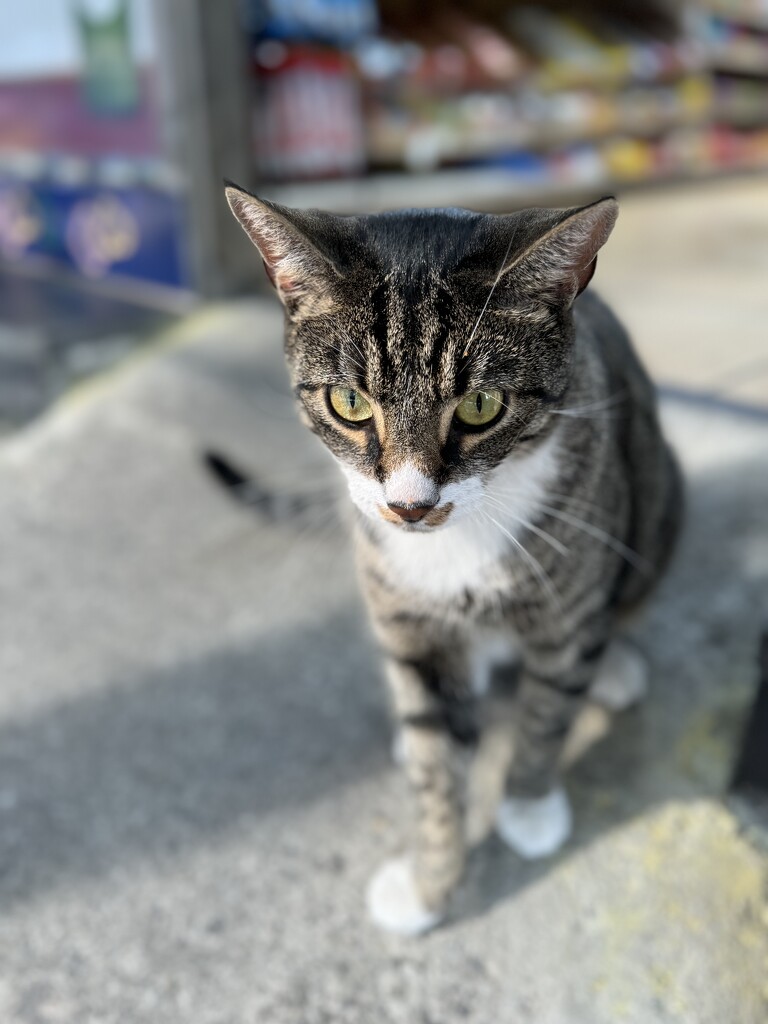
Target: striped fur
(547, 526)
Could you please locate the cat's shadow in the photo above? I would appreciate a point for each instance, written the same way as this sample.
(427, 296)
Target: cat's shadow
(165, 762)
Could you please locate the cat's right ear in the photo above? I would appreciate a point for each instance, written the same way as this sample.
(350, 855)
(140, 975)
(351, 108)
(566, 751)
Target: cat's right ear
(560, 263)
(293, 263)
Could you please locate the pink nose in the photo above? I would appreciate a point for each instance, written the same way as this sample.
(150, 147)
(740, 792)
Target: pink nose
(410, 513)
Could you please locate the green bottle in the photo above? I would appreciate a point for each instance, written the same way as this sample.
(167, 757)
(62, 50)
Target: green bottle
(110, 81)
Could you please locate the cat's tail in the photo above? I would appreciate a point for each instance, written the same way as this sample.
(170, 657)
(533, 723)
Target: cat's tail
(272, 506)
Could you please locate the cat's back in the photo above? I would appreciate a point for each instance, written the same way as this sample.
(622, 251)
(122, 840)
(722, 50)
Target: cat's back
(599, 327)
(629, 405)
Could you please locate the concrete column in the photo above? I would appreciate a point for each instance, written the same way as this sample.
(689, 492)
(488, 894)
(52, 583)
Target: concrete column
(205, 107)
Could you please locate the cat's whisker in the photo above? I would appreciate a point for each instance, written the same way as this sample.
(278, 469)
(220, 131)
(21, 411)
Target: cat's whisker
(509, 408)
(490, 293)
(359, 366)
(608, 539)
(590, 528)
(356, 357)
(523, 424)
(614, 398)
(565, 498)
(546, 537)
(363, 361)
(606, 415)
(609, 402)
(569, 500)
(356, 348)
(589, 410)
(537, 567)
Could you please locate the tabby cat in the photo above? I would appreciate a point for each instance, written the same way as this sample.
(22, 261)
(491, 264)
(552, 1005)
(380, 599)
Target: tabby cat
(513, 490)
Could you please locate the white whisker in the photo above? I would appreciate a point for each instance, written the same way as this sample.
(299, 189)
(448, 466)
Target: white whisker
(547, 537)
(566, 499)
(537, 567)
(589, 409)
(490, 293)
(594, 531)
(509, 408)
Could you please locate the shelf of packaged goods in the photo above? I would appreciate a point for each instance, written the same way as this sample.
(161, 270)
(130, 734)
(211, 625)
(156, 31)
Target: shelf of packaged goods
(648, 128)
(556, 78)
(740, 62)
(733, 117)
(545, 137)
(746, 15)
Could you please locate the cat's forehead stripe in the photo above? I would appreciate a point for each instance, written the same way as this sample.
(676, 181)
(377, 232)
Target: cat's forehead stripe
(376, 337)
(411, 330)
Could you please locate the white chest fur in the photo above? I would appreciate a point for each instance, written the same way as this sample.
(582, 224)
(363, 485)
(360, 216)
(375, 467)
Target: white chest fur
(448, 561)
(467, 554)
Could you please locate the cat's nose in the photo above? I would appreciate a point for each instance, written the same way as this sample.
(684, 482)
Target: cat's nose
(410, 513)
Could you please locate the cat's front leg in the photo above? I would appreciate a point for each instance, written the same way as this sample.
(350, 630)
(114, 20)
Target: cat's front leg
(409, 895)
(535, 818)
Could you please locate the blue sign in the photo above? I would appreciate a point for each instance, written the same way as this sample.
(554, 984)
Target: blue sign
(102, 232)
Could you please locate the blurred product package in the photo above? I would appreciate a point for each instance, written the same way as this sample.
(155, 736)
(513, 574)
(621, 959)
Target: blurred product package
(339, 22)
(308, 121)
(110, 79)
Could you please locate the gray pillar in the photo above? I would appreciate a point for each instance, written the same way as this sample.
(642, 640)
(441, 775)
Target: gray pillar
(205, 100)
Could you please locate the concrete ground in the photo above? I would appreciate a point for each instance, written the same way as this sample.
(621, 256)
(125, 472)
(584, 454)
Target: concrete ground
(54, 333)
(194, 774)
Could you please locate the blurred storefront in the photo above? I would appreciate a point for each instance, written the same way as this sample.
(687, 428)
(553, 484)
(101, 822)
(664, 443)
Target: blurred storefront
(106, 163)
(119, 118)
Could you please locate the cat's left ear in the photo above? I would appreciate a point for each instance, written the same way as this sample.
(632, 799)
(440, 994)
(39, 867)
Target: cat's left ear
(286, 239)
(560, 263)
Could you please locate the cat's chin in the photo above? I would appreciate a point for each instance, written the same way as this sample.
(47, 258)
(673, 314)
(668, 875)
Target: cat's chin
(414, 527)
(422, 528)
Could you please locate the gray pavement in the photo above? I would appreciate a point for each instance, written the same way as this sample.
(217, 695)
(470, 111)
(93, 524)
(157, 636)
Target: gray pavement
(194, 773)
(55, 331)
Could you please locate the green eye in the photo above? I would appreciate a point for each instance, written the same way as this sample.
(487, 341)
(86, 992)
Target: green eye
(350, 405)
(479, 407)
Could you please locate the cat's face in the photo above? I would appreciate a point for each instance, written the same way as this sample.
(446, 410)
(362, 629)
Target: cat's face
(426, 347)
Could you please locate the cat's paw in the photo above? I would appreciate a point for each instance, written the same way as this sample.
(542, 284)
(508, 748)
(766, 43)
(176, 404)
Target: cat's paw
(535, 827)
(622, 678)
(394, 903)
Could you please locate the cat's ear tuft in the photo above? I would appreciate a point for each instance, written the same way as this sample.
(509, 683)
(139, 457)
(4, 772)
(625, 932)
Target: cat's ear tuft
(292, 262)
(559, 264)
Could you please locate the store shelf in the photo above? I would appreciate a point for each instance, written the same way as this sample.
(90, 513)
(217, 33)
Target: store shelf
(740, 63)
(750, 15)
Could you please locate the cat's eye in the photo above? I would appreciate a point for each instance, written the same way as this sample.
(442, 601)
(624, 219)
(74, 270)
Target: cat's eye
(350, 405)
(479, 408)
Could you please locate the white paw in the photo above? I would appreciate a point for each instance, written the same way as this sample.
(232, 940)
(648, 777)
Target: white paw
(622, 678)
(535, 827)
(393, 900)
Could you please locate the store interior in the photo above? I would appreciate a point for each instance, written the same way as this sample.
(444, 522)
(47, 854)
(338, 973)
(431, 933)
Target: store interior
(350, 105)
(119, 122)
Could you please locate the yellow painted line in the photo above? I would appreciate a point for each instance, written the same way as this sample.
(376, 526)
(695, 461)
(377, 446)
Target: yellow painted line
(165, 340)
